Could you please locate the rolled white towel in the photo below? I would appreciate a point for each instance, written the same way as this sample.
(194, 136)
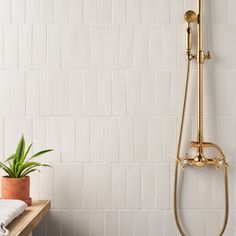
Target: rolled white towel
(9, 210)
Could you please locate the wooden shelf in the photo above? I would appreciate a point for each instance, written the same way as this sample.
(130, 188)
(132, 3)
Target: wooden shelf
(24, 224)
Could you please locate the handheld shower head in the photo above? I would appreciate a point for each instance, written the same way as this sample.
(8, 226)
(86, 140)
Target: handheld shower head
(190, 16)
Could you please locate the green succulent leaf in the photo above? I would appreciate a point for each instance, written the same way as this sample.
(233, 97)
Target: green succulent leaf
(17, 164)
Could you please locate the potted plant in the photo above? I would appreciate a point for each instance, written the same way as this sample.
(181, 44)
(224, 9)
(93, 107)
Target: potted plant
(16, 184)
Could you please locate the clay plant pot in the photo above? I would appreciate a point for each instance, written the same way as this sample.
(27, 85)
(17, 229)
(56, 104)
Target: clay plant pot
(16, 188)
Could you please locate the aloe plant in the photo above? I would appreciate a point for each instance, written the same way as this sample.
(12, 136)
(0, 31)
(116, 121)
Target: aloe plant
(18, 165)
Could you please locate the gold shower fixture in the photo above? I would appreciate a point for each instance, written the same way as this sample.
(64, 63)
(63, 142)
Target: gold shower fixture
(200, 159)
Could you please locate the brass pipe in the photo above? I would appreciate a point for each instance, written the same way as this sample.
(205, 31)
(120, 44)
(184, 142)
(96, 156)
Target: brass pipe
(200, 160)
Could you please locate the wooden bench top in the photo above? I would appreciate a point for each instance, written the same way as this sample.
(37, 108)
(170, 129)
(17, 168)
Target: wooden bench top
(25, 223)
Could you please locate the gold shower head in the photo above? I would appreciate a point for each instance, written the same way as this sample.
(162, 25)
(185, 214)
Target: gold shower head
(190, 16)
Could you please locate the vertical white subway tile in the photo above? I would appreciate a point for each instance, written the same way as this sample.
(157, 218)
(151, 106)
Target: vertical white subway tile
(147, 186)
(126, 223)
(25, 127)
(82, 140)
(111, 140)
(5, 11)
(82, 58)
(68, 139)
(206, 188)
(104, 11)
(133, 186)
(83, 223)
(170, 49)
(90, 186)
(162, 186)
(155, 223)
(46, 11)
(119, 13)
(126, 140)
(133, 93)
(54, 139)
(11, 135)
(169, 226)
(32, 92)
(54, 223)
(176, 92)
(176, 11)
(119, 181)
(18, 11)
(60, 182)
(133, 11)
(46, 93)
(53, 46)
(75, 11)
(18, 98)
(148, 11)
(200, 227)
(68, 46)
(155, 46)
(25, 47)
(140, 139)
(228, 61)
(61, 11)
(68, 223)
(162, 11)
(10, 46)
(75, 186)
(163, 93)
(39, 135)
(33, 11)
(119, 93)
(140, 223)
(35, 183)
(5, 93)
(155, 139)
(46, 183)
(104, 93)
(170, 139)
(140, 47)
(97, 139)
(220, 11)
(90, 11)
(213, 222)
(97, 52)
(190, 198)
(90, 93)
(148, 92)
(112, 47)
(76, 93)
(218, 185)
(126, 47)
(104, 187)
(221, 82)
(112, 223)
(231, 12)
(61, 93)
(1, 46)
(39, 47)
(97, 223)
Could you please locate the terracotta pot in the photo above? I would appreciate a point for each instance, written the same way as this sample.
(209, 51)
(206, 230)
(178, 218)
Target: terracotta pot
(16, 188)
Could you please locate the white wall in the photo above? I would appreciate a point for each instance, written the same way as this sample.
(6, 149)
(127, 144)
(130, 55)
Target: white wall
(101, 81)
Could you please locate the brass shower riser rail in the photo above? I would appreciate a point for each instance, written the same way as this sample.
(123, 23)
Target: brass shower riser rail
(200, 159)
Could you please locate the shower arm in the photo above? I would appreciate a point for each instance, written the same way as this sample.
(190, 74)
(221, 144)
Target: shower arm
(199, 160)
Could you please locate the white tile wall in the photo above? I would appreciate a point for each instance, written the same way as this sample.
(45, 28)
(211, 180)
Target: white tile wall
(101, 81)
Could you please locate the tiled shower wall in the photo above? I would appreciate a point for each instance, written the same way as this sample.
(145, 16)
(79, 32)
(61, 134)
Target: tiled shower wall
(101, 81)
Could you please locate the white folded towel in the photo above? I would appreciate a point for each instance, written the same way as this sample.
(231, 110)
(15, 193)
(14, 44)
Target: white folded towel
(9, 210)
